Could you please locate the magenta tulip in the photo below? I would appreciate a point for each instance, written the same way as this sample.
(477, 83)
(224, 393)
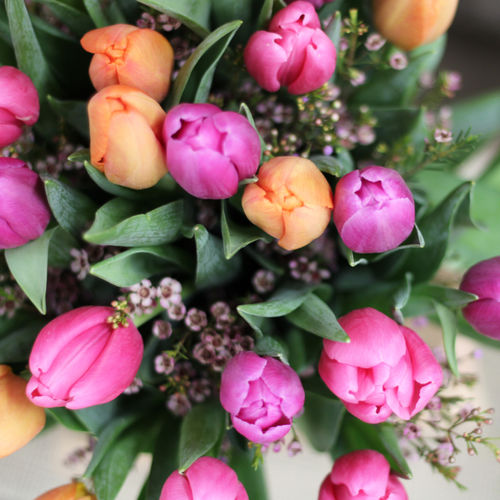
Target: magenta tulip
(80, 360)
(483, 279)
(293, 53)
(262, 395)
(24, 213)
(363, 475)
(206, 479)
(19, 104)
(374, 209)
(386, 368)
(209, 150)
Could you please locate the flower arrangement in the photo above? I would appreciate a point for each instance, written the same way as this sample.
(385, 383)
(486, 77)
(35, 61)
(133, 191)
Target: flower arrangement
(222, 226)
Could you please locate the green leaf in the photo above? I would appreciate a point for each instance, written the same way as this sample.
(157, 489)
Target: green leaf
(449, 297)
(28, 265)
(240, 460)
(96, 13)
(96, 418)
(212, 267)
(201, 429)
(72, 209)
(331, 165)
(334, 30)
(67, 418)
(72, 112)
(269, 346)
(67, 12)
(116, 224)
(60, 247)
(448, 322)
(194, 79)
(314, 316)
(244, 109)
(136, 264)
(236, 237)
(193, 13)
(17, 335)
(403, 293)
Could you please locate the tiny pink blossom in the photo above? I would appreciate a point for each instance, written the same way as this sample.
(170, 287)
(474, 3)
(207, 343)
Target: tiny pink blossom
(398, 61)
(375, 42)
(442, 135)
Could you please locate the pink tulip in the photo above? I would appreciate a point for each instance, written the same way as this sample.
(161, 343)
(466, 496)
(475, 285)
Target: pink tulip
(19, 104)
(206, 479)
(363, 475)
(483, 279)
(262, 395)
(293, 53)
(374, 209)
(208, 150)
(24, 213)
(80, 360)
(386, 368)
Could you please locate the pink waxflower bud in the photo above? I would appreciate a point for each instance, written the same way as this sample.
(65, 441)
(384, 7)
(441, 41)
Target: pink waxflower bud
(262, 395)
(79, 359)
(374, 209)
(206, 479)
(483, 279)
(362, 474)
(293, 53)
(24, 213)
(19, 104)
(209, 150)
(386, 368)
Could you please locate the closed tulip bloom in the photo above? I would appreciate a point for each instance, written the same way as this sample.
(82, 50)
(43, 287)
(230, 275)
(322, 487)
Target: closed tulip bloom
(363, 475)
(292, 201)
(483, 279)
(24, 213)
(386, 368)
(411, 23)
(206, 479)
(19, 105)
(374, 209)
(128, 55)
(80, 360)
(125, 136)
(208, 150)
(262, 395)
(20, 419)
(293, 53)
(73, 491)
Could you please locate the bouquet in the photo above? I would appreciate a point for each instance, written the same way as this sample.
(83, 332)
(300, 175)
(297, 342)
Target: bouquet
(224, 226)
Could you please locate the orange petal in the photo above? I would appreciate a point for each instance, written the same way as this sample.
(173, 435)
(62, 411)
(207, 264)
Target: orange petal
(100, 39)
(303, 225)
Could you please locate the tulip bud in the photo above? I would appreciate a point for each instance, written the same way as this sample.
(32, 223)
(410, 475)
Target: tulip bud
(483, 279)
(20, 420)
(411, 23)
(19, 104)
(81, 359)
(208, 150)
(362, 474)
(374, 209)
(207, 478)
(293, 53)
(128, 55)
(24, 213)
(291, 201)
(125, 136)
(262, 395)
(73, 491)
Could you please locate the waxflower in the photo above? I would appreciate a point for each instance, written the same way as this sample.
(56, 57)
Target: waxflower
(483, 279)
(19, 104)
(206, 479)
(291, 201)
(208, 150)
(293, 53)
(411, 23)
(386, 368)
(79, 359)
(362, 474)
(125, 136)
(262, 396)
(24, 213)
(128, 55)
(72, 491)
(374, 209)
(20, 419)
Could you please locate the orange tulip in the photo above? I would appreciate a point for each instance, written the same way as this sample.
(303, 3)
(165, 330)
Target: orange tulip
(128, 55)
(411, 23)
(73, 491)
(291, 201)
(20, 419)
(125, 136)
